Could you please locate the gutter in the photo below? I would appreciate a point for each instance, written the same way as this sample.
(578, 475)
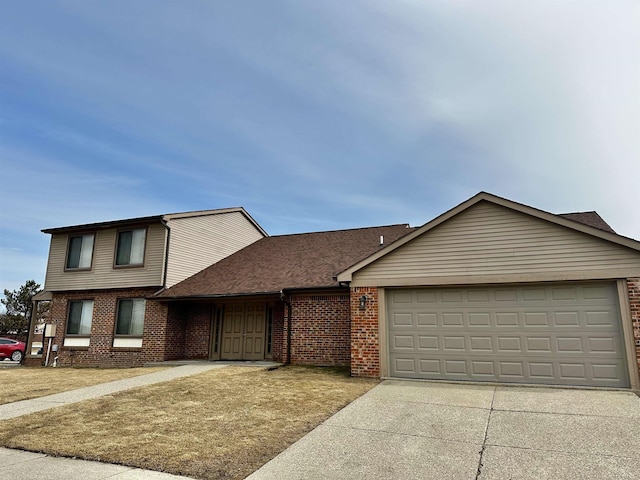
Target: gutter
(184, 298)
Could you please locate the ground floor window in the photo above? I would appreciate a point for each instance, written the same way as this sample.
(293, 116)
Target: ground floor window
(79, 323)
(79, 319)
(130, 317)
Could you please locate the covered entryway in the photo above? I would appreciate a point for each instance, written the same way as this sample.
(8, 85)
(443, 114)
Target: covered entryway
(244, 332)
(563, 334)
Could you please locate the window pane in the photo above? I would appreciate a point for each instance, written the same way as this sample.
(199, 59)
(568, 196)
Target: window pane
(124, 317)
(124, 248)
(75, 314)
(80, 251)
(130, 317)
(87, 314)
(137, 247)
(86, 251)
(73, 256)
(80, 315)
(137, 318)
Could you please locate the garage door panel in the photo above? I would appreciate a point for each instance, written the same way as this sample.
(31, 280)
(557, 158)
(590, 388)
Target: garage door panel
(572, 371)
(569, 345)
(534, 294)
(538, 344)
(598, 318)
(604, 344)
(554, 334)
(507, 319)
(513, 370)
(456, 367)
(402, 319)
(609, 372)
(453, 343)
(402, 297)
(570, 319)
(405, 365)
(482, 369)
(427, 319)
(541, 371)
(536, 319)
(453, 319)
(403, 342)
(479, 319)
(428, 342)
(481, 344)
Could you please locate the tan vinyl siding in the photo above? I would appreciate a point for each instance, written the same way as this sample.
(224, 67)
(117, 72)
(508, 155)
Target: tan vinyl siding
(490, 241)
(197, 242)
(103, 275)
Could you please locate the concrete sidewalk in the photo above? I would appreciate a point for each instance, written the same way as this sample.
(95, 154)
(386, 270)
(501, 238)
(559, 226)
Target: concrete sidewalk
(24, 407)
(20, 465)
(404, 430)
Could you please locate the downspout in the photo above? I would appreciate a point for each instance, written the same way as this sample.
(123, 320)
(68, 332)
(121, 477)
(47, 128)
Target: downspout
(288, 304)
(166, 258)
(166, 253)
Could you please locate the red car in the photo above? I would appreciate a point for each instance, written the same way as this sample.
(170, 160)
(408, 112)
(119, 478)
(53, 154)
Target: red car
(12, 349)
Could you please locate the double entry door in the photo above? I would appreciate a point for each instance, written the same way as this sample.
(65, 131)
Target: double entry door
(243, 332)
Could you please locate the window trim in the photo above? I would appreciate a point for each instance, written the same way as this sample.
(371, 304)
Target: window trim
(66, 255)
(115, 323)
(66, 325)
(144, 253)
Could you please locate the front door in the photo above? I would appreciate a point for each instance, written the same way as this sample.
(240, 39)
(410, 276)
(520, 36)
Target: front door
(243, 332)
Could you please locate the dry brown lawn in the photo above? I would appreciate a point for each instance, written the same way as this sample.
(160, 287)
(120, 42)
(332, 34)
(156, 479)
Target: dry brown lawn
(22, 383)
(222, 424)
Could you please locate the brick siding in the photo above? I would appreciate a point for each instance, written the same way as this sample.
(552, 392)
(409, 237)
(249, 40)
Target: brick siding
(197, 331)
(320, 332)
(175, 332)
(278, 341)
(365, 340)
(633, 288)
(100, 352)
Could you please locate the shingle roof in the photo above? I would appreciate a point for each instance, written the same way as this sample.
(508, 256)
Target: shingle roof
(152, 219)
(306, 260)
(588, 218)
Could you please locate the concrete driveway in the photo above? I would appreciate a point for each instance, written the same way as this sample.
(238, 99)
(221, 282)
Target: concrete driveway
(405, 430)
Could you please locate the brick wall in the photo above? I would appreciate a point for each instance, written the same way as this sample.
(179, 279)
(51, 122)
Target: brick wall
(197, 331)
(100, 352)
(365, 340)
(320, 332)
(278, 341)
(175, 331)
(633, 287)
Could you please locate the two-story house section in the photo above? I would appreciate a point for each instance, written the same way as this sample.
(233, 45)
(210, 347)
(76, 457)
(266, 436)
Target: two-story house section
(100, 277)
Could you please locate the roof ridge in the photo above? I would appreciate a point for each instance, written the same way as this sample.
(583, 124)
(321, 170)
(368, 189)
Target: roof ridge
(574, 213)
(406, 225)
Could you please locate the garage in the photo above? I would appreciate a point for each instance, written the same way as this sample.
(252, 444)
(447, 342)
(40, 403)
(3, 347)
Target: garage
(497, 291)
(561, 333)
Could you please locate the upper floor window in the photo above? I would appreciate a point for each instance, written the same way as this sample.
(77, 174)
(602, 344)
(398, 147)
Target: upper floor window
(79, 319)
(80, 251)
(130, 249)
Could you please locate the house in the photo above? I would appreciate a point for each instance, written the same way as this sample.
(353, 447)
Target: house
(491, 290)
(100, 275)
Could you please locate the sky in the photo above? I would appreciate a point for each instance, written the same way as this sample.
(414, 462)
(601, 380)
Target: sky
(312, 115)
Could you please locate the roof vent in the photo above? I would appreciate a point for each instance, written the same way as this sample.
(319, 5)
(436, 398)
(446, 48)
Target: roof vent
(381, 240)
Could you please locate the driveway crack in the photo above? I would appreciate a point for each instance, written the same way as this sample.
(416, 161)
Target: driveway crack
(486, 433)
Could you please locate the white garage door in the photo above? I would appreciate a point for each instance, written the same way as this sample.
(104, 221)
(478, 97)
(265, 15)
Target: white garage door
(563, 334)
